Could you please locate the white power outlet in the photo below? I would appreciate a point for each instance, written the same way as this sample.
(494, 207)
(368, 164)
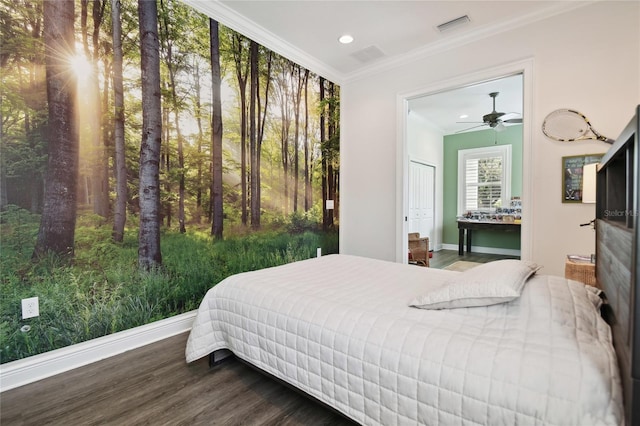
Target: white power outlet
(30, 308)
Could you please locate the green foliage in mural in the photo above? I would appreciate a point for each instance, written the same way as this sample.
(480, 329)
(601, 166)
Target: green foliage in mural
(104, 292)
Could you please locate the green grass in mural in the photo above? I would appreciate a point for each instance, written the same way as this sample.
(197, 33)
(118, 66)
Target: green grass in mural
(103, 292)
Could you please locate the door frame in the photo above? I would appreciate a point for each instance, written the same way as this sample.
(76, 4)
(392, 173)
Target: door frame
(524, 67)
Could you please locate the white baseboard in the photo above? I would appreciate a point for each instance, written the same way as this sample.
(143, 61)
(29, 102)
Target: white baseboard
(23, 371)
(485, 250)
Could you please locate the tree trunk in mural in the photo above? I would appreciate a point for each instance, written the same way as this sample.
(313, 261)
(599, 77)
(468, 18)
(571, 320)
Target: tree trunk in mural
(323, 143)
(165, 162)
(35, 126)
(91, 95)
(296, 72)
(199, 162)
(107, 127)
(283, 91)
(242, 72)
(3, 168)
(253, 88)
(57, 225)
(86, 118)
(171, 64)
(33, 107)
(263, 108)
(307, 163)
(149, 255)
(330, 146)
(120, 165)
(181, 178)
(216, 131)
(331, 130)
(102, 203)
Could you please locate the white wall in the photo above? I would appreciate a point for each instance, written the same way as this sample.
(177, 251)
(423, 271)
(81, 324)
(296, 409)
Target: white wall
(424, 144)
(587, 59)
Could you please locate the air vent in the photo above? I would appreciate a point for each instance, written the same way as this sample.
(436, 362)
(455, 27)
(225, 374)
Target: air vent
(368, 54)
(454, 23)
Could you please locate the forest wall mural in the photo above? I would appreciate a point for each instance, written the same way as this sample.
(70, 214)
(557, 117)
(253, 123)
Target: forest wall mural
(148, 152)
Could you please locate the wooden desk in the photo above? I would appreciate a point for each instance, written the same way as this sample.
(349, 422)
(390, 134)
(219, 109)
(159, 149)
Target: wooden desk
(470, 225)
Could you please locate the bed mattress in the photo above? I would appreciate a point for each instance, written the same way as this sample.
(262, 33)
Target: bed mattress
(340, 329)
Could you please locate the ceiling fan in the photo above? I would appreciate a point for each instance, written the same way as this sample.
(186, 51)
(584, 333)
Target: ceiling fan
(493, 119)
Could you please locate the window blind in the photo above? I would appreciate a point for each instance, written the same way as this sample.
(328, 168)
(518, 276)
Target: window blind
(484, 178)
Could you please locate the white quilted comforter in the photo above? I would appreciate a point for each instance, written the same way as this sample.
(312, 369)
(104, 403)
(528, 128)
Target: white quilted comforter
(339, 328)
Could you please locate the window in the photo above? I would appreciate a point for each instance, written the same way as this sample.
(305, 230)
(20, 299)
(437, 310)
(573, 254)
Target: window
(484, 178)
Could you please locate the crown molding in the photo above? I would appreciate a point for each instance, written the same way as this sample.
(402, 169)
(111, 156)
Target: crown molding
(248, 28)
(232, 19)
(469, 37)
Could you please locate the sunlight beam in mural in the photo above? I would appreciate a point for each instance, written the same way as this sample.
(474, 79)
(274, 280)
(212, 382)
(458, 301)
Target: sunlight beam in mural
(81, 67)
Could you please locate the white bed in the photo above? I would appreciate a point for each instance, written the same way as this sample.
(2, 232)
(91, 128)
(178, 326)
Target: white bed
(340, 329)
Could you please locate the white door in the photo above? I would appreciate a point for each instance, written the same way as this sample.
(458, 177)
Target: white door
(422, 200)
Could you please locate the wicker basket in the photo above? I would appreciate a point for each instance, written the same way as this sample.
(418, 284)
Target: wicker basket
(581, 271)
(418, 249)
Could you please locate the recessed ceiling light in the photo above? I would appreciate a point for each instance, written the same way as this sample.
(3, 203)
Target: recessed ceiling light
(345, 39)
(464, 116)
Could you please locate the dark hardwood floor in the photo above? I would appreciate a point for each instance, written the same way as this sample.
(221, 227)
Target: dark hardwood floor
(153, 385)
(444, 258)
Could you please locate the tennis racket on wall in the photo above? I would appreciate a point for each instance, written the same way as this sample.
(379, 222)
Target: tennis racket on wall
(567, 125)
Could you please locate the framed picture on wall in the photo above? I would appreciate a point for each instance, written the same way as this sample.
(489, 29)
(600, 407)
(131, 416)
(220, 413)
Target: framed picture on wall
(572, 175)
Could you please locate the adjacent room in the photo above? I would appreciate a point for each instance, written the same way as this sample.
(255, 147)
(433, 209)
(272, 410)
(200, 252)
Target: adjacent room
(450, 147)
(320, 212)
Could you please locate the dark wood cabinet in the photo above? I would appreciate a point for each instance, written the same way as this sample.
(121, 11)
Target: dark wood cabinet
(617, 256)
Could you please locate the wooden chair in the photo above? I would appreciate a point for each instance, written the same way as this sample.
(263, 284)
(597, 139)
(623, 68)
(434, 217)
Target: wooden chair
(418, 249)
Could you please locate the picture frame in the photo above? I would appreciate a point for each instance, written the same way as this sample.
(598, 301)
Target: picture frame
(572, 175)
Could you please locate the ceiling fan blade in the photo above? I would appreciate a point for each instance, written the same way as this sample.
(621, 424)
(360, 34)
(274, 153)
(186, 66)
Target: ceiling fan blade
(513, 120)
(469, 128)
(470, 122)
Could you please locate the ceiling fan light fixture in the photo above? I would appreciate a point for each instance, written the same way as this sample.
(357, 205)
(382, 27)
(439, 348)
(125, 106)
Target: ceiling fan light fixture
(500, 127)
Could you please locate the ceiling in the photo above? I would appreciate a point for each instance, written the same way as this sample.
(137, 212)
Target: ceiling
(387, 33)
(443, 110)
(392, 27)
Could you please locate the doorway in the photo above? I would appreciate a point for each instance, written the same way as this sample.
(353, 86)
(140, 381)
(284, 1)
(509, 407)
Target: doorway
(406, 109)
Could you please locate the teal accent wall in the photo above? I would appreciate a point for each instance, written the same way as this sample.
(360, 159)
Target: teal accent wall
(512, 135)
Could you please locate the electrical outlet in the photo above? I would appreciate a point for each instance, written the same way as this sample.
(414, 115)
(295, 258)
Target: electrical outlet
(30, 308)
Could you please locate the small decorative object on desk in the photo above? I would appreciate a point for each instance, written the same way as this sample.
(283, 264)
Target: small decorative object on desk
(516, 203)
(510, 214)
(508, 218)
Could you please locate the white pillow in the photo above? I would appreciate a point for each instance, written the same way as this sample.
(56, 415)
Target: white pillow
(487, 284)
